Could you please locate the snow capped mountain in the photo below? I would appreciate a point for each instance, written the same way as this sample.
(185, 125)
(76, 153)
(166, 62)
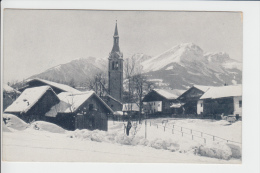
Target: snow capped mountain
(187, 64)
(178, 68)
(78, 70)
(181, 54)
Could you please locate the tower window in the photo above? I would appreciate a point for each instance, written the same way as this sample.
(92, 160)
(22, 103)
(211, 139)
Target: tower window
(240, 103)
(113, 65)
(116, 67)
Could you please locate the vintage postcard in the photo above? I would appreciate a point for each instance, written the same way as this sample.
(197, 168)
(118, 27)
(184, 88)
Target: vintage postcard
(122, 86)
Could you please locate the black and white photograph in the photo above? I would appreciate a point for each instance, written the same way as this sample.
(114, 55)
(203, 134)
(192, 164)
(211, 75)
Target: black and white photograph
(122, 86)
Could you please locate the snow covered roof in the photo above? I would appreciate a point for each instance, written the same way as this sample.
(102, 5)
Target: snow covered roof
(169, 94)
(222, 91)
(71, 102)
(130, 107)
(27, 99)
(62, 87)
(9, 89)
(202, 87)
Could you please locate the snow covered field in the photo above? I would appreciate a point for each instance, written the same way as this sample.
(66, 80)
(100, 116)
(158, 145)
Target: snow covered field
(42, 141)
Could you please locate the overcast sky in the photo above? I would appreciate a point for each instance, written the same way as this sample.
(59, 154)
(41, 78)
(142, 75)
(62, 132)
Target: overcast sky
(35, 40)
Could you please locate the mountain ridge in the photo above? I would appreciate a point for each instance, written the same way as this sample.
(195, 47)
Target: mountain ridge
(179, 67)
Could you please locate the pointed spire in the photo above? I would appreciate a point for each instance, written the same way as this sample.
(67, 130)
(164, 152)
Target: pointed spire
(116, 31)
(116, 40)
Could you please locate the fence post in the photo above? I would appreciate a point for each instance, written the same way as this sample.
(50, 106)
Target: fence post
(145, 129)
(201, 134)
(182, 134)
(172, 131)
(213, 138)
(181, 128)
(157, 126)
(164, 128)
(150, 123)
(172, 126)
(192, 137)
(191, 131)
(205, 140)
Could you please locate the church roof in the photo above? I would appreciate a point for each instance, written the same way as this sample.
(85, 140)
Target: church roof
(116, 31)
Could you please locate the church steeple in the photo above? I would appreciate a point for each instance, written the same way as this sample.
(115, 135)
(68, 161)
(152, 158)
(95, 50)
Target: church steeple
(115, 69)
(116, 41)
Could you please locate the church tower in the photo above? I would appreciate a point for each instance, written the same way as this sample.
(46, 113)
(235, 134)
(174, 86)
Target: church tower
(115, 69)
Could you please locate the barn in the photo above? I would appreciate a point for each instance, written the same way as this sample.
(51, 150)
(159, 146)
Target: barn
(225, 100)
(83, 110)
(190, 98)
(159, 101)
(33, 103)
(57, 87)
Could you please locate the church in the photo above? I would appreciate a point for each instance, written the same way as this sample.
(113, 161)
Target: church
(114, 97)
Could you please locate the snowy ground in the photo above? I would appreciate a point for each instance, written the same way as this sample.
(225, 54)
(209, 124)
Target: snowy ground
(43, 141)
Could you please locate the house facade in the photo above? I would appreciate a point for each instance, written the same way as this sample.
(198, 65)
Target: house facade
(224, 100)
(80, 111)
(159, 101)
(191, 97)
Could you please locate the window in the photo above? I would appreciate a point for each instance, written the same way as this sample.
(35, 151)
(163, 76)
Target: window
(91, 107)
(112, 106)
(113, 65)
(201, 104)
(240, 103)
(116, 66)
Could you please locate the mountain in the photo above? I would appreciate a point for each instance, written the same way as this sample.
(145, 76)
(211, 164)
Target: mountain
(178, 68)
(78, 70)
(186, 64)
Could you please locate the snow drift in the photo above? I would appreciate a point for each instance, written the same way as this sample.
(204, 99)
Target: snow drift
(46, 126)
(12, 121)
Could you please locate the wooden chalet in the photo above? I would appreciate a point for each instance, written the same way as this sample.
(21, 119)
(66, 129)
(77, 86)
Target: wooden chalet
(80, 111)
(33, 103)
(57, 87)
(225, 100)
(159, 101)
(190, 98)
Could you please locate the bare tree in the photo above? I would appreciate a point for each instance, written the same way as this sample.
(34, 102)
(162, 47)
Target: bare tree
(142, 86)
(98, 83)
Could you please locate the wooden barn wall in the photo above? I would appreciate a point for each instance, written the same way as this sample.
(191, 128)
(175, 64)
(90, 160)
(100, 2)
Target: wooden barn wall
(37, 112)
(96, 103)
(66, 121)
(219, 106)
(84, 118)
(190, 98)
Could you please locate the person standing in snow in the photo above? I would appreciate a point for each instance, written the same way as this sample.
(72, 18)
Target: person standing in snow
(128, 127)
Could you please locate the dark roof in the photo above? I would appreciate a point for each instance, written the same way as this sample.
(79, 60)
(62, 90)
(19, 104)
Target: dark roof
(116, 31)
